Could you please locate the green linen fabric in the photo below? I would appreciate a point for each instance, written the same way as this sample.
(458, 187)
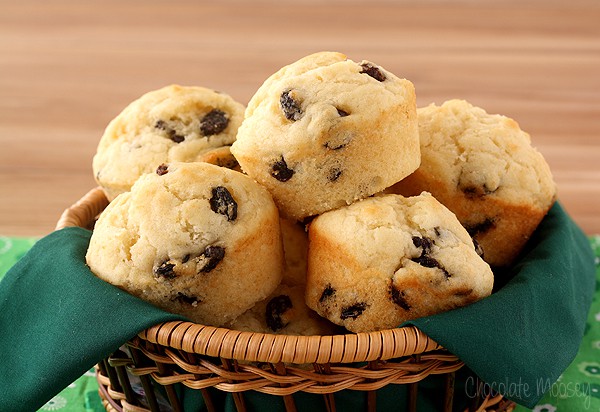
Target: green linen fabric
(57, 320)
(578, 387)
(529, 331)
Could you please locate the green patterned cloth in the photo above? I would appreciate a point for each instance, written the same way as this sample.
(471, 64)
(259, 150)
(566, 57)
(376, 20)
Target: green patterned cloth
(577, 389)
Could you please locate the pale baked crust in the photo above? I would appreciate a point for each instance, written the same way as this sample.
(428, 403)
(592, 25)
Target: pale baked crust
(485, 170)
(193, 238)
(326, 131)
(171, 124)
(387, 259)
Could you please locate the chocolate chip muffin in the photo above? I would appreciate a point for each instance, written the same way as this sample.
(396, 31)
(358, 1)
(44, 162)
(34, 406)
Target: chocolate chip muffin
(326, 131)
(484, 168)
(192, 238)
(284, 312)
(387, 259)
(172, 124)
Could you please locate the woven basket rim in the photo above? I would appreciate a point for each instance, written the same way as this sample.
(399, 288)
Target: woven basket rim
(262, 347)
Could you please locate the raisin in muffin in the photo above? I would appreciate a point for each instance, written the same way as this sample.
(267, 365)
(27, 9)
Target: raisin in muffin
(326, 131)
(387, 259)
(171, 124)
(484, 169)
(284, 312)
(194, 239)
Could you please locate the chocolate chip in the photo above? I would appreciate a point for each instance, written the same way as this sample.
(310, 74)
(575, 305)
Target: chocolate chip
(342, 113)
(183, 298)
(334, 174)
(223, 203)
(210, 258)
(481, 227)
(275, 308)
(422, 242)
(429, 262)
(214, 122)
(327, 292)
(186, 258)
(373, 71)
(162, 169)
(171, 133)
(290, 107)
(177, 138)
(473, 192)
(165, 270)
(353, 311)
(398, 297)
(280, 170)
(425, 260)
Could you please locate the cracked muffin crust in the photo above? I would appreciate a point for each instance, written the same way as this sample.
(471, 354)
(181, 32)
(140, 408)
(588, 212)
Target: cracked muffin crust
(326, 131)
(171, 124)
(192, 238)
(484, 168)
(387, 259)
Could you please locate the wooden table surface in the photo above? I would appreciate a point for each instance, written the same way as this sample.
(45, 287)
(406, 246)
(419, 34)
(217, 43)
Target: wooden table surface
(68, 67)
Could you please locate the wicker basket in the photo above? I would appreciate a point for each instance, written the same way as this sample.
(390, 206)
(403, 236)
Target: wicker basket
(144, 374)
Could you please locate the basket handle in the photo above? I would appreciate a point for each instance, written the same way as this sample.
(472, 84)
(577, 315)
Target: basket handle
(84, 212)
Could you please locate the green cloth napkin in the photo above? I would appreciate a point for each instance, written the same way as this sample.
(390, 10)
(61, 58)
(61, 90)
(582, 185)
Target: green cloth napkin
(57, 320)
(522, 337)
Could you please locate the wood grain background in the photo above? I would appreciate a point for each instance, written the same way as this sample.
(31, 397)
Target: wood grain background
(68, 67)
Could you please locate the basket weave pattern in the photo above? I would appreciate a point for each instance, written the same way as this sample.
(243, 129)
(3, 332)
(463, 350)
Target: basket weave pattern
(280, 379)
(199, 357)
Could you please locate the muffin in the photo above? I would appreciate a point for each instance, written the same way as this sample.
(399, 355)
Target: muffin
(484, 168)
(326, 131)
(192, 238)
(171, 124)
(384, 260)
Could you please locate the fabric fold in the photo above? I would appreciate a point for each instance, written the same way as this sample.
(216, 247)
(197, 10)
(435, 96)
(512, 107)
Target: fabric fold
(57, 320)
(527, 333)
